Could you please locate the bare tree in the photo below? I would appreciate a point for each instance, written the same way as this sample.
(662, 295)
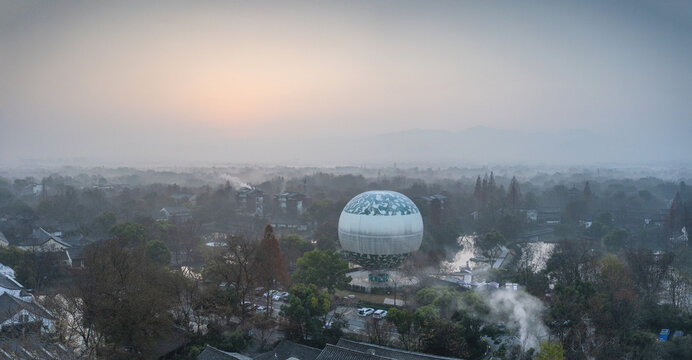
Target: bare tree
(264, 328)
(379, 331)
(72, 329)
(679, 288)
(234, 265)
(125, 297)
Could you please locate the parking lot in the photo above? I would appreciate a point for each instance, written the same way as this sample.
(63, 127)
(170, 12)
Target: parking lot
(355, 323)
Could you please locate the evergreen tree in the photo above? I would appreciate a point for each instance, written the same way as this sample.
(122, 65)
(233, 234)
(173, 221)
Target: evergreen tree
(270, 265)
(478, 193)
(587, 195)
(514, 196)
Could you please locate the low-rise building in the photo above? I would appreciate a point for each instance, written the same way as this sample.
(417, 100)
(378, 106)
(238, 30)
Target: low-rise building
(250, 201)
(175, 214)
(41, 240)
(16, 313)
(435, 206)
(8, 285)
(290, 203)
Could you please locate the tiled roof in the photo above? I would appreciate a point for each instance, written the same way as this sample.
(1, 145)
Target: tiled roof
(387, 351)
(39, 237)
(9, 283)
(288, 349)
(33, 347)
(332, 352)
(177, 210)
(76, 252)
(212, 353)
(10, 305)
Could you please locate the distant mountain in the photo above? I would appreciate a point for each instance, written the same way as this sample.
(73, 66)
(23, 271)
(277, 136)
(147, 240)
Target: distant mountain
(478, 145)
(474, 146)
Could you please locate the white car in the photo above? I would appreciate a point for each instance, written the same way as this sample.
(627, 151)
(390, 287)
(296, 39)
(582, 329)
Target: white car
(280, 296)
(270, 293)
(260, 309)
(379, 314)
(365, 311)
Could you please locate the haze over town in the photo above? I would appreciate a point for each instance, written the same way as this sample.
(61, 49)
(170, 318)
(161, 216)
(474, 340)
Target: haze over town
(364, 82)
(362, 180)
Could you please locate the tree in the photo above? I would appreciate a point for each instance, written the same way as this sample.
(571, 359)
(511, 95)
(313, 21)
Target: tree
(326, 236)
(158, 252)
(514, 195)
(615, 239)
(378, 331)
(102, 223)
(457, 337)
(326, 269)
(587, 197)
(550, 351)
(404, 323)
(490, 244)
(271, 269)
(70, 327)
(125, 297)
(613, 306)
(509, 226)
(569, 308)
(305, 311)
(292, 247)
(649, 271)
(22, 262)
(263, 328)
(134, 233)
(233, 264)
(182, 240)
(478, 194)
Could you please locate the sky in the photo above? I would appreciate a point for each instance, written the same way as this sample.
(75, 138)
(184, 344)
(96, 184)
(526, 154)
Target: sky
(129, 81)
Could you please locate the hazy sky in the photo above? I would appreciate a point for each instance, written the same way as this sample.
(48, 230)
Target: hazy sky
(142, 80)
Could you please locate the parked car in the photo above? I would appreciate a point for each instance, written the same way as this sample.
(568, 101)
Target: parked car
(261, 309)
(365, 311)
(678, 333)
(280, 296)
(270, 293)
(246, 304)
(328, 325)
(379, 314)
(663, 335)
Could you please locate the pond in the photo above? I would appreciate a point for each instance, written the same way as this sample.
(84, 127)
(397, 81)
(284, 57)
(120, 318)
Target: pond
(462, 258)
(534, 255)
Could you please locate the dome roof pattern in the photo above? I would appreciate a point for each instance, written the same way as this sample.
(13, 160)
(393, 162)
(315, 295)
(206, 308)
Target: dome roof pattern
(380, 202)
(378, 229)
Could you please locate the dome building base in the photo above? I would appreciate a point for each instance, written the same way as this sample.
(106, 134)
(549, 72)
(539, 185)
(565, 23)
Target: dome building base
(378, 277)
(380, 281)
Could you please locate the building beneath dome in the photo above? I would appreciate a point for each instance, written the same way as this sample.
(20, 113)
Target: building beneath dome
(378, 230)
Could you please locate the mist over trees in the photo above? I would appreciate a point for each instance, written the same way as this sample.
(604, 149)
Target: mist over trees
(617, 274)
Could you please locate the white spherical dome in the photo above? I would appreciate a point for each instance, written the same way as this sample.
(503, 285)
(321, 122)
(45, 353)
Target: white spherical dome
(378, 229)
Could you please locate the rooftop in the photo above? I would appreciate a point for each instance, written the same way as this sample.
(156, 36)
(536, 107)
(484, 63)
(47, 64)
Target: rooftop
(212, 353)
(387, 352)
(10, 305)
(288, 349)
